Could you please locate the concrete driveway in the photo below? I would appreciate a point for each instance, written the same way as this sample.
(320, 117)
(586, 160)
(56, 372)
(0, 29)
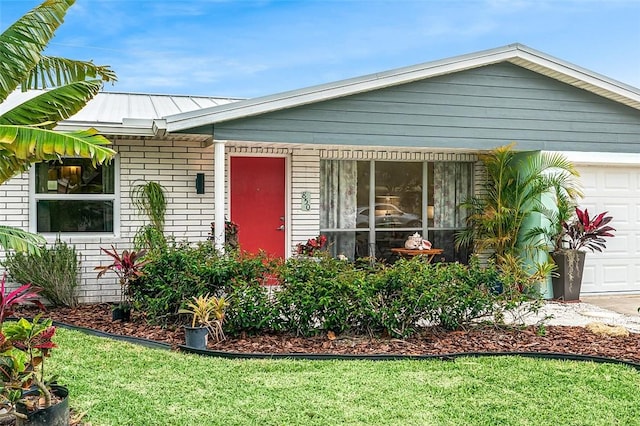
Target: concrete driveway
(627, 304)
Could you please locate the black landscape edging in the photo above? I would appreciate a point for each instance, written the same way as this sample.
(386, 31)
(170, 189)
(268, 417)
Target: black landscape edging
(325, 356)
(395, 357)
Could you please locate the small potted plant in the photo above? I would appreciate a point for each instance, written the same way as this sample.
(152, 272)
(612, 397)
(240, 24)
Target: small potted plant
(581, 232)
(128, 267)
(24, 345)
(208, 314)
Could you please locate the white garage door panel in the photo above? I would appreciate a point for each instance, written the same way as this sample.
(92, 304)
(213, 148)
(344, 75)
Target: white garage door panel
(616, 190)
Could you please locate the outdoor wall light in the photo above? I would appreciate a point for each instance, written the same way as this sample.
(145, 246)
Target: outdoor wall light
(200, 183)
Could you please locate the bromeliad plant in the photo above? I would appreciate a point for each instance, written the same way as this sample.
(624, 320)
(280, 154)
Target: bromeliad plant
(127, 266)
(587, 232)
(208, 311)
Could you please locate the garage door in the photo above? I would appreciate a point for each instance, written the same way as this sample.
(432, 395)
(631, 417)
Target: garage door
(616, 190)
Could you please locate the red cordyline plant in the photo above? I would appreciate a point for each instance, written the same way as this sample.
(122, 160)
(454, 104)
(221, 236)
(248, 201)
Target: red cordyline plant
(127, 266)
(312, 246)
(587, 232)
(24, 294)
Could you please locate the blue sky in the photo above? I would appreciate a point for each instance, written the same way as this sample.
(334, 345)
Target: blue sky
(245, 48)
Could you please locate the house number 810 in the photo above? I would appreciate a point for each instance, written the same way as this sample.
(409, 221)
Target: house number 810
(305, 201)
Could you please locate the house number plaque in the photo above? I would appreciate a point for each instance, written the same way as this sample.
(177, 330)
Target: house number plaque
(305, 201)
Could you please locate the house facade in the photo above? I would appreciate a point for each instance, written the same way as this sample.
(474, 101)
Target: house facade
(366, 161)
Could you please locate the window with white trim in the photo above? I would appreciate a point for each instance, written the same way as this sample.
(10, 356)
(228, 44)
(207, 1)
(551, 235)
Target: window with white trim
(369, 207)
(74, 196)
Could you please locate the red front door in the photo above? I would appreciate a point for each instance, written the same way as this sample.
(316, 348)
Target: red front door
(258, 203)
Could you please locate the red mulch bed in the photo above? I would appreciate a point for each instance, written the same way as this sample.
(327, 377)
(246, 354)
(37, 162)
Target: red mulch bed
(558, 339)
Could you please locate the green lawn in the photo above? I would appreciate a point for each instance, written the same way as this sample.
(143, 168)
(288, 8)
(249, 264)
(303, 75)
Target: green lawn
(117, 383)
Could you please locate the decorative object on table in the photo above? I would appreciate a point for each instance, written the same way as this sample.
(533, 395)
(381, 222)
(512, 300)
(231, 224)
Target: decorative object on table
(569, 255)
(416, 242)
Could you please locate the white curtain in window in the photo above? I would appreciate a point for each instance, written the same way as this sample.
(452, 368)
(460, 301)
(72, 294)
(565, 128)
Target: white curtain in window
(338, 202)
(452, 184)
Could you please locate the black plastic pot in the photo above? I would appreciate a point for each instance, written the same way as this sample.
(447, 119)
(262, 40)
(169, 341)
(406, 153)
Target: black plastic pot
(121, 314)
(56, 415)
(196, 337)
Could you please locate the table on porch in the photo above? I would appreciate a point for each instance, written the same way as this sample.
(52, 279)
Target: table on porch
(409, 253)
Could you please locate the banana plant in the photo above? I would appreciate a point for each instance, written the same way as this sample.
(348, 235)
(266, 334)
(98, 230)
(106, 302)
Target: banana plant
(27, 132)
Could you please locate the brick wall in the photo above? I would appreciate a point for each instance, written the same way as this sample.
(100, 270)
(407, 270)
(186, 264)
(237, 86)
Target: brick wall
(174, 162)
(171, 162)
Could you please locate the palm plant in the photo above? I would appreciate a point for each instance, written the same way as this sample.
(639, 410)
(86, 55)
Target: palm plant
(26, 130)
(513, 192)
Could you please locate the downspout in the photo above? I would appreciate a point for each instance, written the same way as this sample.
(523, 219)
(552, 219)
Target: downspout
(219, 205)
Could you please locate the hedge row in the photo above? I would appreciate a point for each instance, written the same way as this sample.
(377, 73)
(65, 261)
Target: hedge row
(319, 295)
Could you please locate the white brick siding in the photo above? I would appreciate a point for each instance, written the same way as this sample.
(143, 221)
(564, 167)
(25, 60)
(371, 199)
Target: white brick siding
(171, 162)
(174, 162)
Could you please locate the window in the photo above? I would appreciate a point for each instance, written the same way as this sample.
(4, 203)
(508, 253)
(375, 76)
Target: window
(73, 196)
(370, 207)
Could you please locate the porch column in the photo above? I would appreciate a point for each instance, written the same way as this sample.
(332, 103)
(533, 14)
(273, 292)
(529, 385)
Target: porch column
(219, 206)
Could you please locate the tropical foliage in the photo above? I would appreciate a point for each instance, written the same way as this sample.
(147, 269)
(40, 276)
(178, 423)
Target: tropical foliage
(26, 129)
(11, 300)
(150, 200)
(202, 308)
(587, 232)
(127, 266)
(513, 194)
(312, 246)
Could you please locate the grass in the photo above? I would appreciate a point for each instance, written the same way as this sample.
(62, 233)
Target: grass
(117, 383)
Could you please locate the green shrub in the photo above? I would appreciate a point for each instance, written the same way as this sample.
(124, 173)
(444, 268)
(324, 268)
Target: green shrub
(56, 270)
(461, 294)
(180, 271)
(171, 277)
(318, 296)
(251, 309)
(398, 297)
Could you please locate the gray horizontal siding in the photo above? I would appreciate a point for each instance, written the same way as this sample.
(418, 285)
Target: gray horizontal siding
(479, 109)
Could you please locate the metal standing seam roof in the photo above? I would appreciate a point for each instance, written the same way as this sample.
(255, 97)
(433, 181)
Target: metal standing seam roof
(517, 54)
(130, 114)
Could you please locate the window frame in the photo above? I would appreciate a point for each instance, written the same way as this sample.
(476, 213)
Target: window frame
(374, 230)
(115, 198)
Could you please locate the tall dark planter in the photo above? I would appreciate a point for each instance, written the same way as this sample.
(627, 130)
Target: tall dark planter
(56, 415)
(567, 283)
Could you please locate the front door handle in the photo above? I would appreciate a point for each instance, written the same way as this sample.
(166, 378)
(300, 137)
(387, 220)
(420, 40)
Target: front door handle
(280, 228)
